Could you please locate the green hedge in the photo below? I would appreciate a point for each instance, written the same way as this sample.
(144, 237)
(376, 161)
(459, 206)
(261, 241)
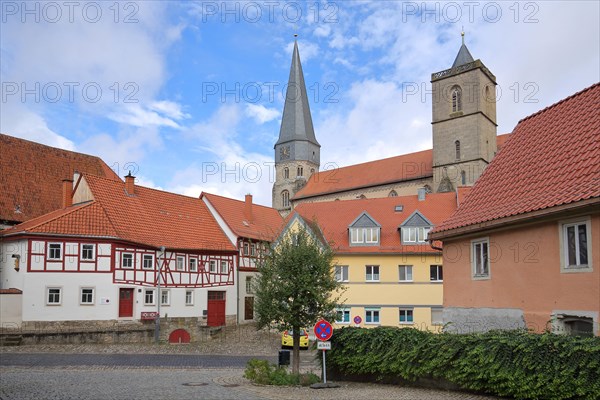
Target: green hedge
(505, 363)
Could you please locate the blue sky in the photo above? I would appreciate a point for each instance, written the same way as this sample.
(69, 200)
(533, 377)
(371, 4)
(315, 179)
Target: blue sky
(189, 95)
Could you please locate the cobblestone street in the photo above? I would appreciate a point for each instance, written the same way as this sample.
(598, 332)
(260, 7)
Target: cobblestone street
(207, 370)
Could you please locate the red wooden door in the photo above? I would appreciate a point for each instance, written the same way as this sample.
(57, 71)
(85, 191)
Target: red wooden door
(125, 302)
(216, 308)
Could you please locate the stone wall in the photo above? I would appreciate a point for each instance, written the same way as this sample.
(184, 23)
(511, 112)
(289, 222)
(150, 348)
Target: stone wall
(471, 320)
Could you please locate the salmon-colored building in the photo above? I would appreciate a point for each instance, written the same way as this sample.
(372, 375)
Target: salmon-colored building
(523, 249)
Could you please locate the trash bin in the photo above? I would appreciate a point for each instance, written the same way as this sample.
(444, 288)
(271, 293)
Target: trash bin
(284, 357)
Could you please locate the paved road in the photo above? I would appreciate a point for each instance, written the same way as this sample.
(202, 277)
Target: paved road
(88, 376)
(126, 360)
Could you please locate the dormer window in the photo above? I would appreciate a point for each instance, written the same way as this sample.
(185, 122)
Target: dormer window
(415, 229)
(364, 231)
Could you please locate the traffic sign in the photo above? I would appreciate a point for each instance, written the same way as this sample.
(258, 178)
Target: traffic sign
(323, 330)
(323, 345)
(357, 320)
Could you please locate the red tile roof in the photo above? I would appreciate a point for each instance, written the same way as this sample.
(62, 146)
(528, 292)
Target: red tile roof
(32, 173)
(334, 218)
(149, 217)
(374, 173)
(552, 159)
(265, 224)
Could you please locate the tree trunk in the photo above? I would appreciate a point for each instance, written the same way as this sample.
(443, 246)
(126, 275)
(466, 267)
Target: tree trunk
(296, 353)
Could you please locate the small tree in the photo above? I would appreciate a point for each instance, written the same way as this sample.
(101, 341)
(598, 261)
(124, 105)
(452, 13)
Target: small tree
(296, 286)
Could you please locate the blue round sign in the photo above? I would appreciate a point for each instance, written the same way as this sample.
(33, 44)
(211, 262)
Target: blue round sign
(357, 319)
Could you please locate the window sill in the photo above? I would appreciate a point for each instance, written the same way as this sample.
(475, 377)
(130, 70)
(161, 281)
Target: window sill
(406, 281)
(436, 282)
(406, 323)
(480, 277)
(576, 269)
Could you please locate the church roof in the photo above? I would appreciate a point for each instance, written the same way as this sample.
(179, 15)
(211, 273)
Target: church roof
(463, 57)
(32, 174)
(296, 123)
(149, 217)
(551, 161)
(401, 168)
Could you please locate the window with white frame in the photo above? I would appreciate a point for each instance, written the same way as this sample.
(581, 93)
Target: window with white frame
(147, 261)
(253, 249)
(165, 297)
(212, 266)
(436, 273)
(480, 258)
(53, 296)
(246, 248)
(372, 272)
(249, 288)
(87, 252)
(343, 316)
(193, 265)
(372, 315)
(415, 234)
(55, 251)
(341, 273)
(180, 263)
(576, 249)
(406, 315)
(364, 235)
(127, 260)
(405, 273)
(224, 267)
(149, 297)
(436, 316)
(189, 297)
(86, 296)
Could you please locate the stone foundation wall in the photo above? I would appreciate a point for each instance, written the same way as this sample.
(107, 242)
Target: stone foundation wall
(111, 331)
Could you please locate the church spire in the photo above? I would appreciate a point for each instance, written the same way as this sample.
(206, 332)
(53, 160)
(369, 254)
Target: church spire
(296, 123)
(463, 56)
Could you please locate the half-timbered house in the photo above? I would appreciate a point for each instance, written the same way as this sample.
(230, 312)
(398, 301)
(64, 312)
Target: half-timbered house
(119, 252)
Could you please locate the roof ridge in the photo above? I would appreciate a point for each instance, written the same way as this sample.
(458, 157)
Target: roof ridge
(559, 102)
(144, 187)
(54, 147)
(239, 201)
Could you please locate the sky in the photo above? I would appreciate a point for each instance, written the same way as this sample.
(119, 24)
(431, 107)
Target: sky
(188, 96)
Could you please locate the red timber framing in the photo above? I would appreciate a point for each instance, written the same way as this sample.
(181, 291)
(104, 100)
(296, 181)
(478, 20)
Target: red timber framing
(250, 253)
(71, 248)
(170, 274)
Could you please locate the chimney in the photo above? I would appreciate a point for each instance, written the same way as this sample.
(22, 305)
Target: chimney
(421, 193)
(248, 208)
(130, 184)
(67, 193)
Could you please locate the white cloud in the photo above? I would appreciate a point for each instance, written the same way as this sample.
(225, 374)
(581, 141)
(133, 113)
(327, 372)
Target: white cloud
(227, 168)
(17, 120)
(260, 113)
(169, 109)
(308, 50)
(137, 116)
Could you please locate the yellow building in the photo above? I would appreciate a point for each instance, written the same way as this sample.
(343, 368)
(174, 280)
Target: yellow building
(392, 275)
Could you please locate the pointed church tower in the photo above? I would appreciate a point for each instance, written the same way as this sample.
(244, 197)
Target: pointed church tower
(297, 152)
(464, 121)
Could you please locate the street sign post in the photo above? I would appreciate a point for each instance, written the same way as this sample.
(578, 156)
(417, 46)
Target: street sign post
(323, 331)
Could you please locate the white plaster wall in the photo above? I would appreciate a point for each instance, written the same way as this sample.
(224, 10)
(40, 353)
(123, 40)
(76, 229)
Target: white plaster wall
(9, 277)
(10, 310)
